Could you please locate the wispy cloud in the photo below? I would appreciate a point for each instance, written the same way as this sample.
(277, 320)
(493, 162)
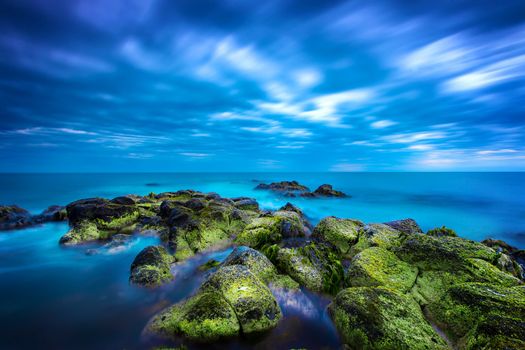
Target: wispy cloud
(381, 124)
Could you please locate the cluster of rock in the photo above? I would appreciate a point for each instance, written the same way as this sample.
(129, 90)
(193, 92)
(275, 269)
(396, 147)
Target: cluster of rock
(295, 189)
(13, 217)
(390, 282)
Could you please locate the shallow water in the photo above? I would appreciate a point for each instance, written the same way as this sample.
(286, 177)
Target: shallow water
(57, 297)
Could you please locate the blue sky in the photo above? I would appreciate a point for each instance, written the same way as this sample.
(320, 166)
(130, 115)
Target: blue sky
(276, 85)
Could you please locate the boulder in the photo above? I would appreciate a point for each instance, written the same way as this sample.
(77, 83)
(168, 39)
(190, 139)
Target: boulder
(151, 267)
(253, 303)
(377, 266)
(326, 190)
(255, 261)
(283, 186)
(407, 226)
(204, 317)
(482, 316)
(12, 216)
(52, 213)
(379, 318)
(341, 233)
(377, 235)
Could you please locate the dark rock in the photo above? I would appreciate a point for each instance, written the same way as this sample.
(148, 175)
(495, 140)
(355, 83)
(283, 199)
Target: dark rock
(12, 216)
(125, 200)
(52, 213)
(195, 204)
(246, 203)
(283, 186)
(408, 226)
(326, 190)
(96, 208)
(151, 267)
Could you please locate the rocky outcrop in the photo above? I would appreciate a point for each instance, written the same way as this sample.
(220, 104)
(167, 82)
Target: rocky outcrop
(13, 217)
(295, 189)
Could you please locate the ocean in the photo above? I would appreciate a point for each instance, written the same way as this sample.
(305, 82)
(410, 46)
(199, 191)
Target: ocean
(79, 297)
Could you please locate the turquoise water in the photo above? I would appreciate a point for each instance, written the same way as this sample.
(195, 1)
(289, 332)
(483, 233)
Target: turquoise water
(62, 298)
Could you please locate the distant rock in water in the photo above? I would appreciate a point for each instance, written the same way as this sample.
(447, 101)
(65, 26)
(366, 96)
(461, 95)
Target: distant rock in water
(152, 184)
(295, 189)
(13, 217)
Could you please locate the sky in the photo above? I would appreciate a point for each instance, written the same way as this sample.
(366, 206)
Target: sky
(274, 85)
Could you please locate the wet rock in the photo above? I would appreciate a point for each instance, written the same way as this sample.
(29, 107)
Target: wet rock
(12, 216)
(379, 318)
(245, 203)
(283, 186)
(377, 235)
(253, 303)
(377, 266)
(255, 261)
(313, 265)
(341, 233)
(326, 190)
(52, 213)
(151, 267)
(407, 226)
(204, 317)
(210, 264)
(482, 316)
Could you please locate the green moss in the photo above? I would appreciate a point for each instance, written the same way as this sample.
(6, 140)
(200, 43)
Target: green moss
(82, 232)
(379, 267)
(210, 264)
(472, 312)
(284, 282)
(261, 231)
(442, 232)
(442, 253)
(253, 303)
(256, 262)
(314, 266)
(376, 235)
(204, 317)
(118, 223)
(151, 267)
(379, 318)
(342, 233)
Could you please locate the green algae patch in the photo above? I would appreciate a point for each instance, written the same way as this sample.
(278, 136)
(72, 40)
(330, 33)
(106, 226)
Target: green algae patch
(442, 231)
(284, 282)
(379, 318)
(83, 232)
(256, 262)
(379, 267)
(314, 266)
(118, 223)
(261, 231)
(151, 267)
(442, 253)
(377, 235)
(342, 233)
(204, 317)
(253, 303)
(210, 264)
(479, 315)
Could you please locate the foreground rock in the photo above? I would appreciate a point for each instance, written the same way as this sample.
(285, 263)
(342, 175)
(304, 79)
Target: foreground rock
(151, 267)
(295, 189)
(233, 300)
(379, 318)
(13, 217)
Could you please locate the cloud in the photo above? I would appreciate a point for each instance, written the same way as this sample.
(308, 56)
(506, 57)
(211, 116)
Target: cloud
(381, 124)
(499, 151)
(195, 154)
(415, 136)
(307, 78)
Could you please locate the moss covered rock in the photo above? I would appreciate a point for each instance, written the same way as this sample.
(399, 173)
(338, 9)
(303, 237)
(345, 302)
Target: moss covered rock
(253, 303)
(151, 267)
(377, 266)
(313, 265)
(442, 231)
(482, 316)
(12, 216)
(342, 233)
(256, 262)
(204, 317)
(379, 318)
(271, 229)
(377, 235)
(442, 253)
(408, 226)
(82, 232)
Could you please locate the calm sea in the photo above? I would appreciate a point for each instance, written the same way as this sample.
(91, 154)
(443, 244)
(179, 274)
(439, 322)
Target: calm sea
(63, 298)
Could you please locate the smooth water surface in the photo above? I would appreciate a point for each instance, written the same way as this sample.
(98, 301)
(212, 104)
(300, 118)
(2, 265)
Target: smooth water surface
(79, 297)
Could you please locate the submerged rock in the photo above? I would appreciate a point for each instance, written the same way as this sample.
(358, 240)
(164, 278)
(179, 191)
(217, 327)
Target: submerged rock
(13, 217)
(151, 267)
(379, 318)
(283, 186)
